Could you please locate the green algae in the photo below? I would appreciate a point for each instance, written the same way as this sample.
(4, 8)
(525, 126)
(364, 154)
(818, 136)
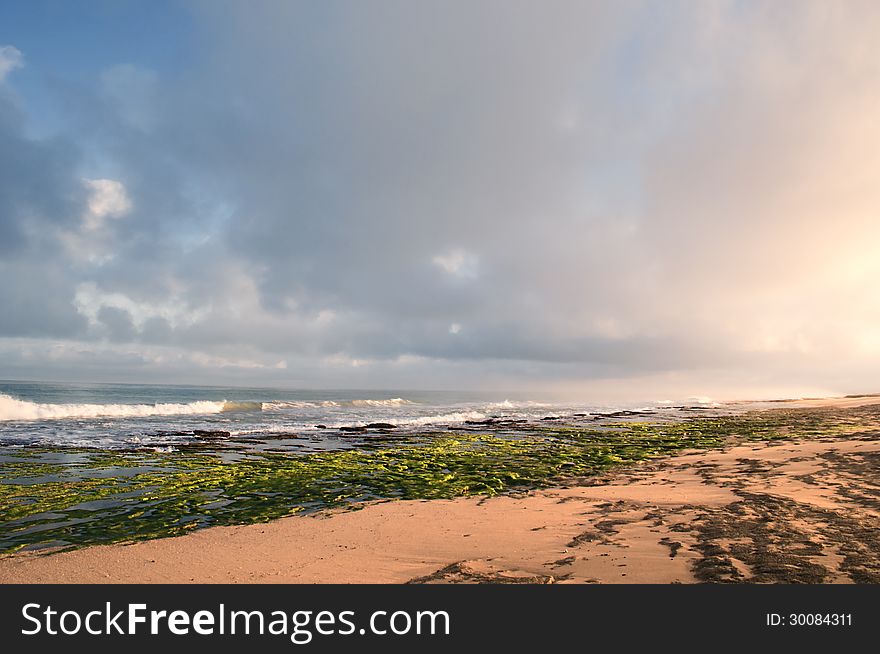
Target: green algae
(107, 496)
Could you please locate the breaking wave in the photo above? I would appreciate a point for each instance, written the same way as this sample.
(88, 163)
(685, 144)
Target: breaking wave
(14, 409)
(302, 404)
(526, 404)
(394, 401)
(280, 405)
(444, 418)
(231, 405)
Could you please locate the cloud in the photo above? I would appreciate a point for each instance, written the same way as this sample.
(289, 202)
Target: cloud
(107, 199)
(38, 186)
(118, 323)
(133, 93)
(499, 193)
(457, 263)
(10, 59)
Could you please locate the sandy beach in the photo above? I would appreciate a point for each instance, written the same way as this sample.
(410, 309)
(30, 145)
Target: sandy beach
(798, 510)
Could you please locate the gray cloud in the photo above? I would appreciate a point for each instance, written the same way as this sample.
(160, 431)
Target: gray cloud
(39, 193)
(507, 192)
(118, 323)
(37, 185)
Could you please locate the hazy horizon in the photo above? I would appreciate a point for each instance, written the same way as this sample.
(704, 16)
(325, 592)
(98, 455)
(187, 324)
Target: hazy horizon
(622, 392)
(592, 199)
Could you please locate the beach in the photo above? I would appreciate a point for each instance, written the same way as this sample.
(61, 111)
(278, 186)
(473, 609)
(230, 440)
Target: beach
(803, 509)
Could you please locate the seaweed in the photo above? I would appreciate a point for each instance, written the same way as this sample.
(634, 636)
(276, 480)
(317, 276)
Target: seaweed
(55, 498)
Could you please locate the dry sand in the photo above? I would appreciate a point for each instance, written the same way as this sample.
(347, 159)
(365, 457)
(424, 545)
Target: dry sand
(791, 511)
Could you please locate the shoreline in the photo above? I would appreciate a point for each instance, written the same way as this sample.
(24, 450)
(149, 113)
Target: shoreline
(793, 510)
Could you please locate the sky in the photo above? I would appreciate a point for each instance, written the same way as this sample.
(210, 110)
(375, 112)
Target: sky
(601, 199)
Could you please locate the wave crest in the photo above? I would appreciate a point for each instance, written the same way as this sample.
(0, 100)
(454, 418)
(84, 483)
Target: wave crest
(442, 419)
(232, 405)
(304, 404)
(394, 401)
(15, 409)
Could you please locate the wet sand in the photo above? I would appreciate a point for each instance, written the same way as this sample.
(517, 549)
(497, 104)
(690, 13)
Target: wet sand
(799, 510)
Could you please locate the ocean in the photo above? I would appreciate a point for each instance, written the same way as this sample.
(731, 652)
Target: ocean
(126, 416)
(85, 464)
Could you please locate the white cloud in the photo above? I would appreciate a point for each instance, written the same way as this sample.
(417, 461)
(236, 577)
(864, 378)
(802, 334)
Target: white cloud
(107, 199)
(88, 241)
(10, 59)
(90, 299)
(458, 263)
(454, 328)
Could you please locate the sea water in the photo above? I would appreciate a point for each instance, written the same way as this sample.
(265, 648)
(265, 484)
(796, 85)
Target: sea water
(122, 416)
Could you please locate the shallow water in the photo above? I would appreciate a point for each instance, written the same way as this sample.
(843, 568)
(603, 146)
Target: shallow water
(126, 416)
(63, 488)
(86, 464)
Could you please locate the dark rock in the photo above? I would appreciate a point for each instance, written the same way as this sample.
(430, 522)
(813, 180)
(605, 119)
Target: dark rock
(623, 414)
(381, 425)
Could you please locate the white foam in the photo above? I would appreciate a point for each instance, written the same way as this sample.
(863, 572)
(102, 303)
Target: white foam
(456, 417)
(394, 401)
(15, 409)
(281, 404)
(508, 404)
(238, 405)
